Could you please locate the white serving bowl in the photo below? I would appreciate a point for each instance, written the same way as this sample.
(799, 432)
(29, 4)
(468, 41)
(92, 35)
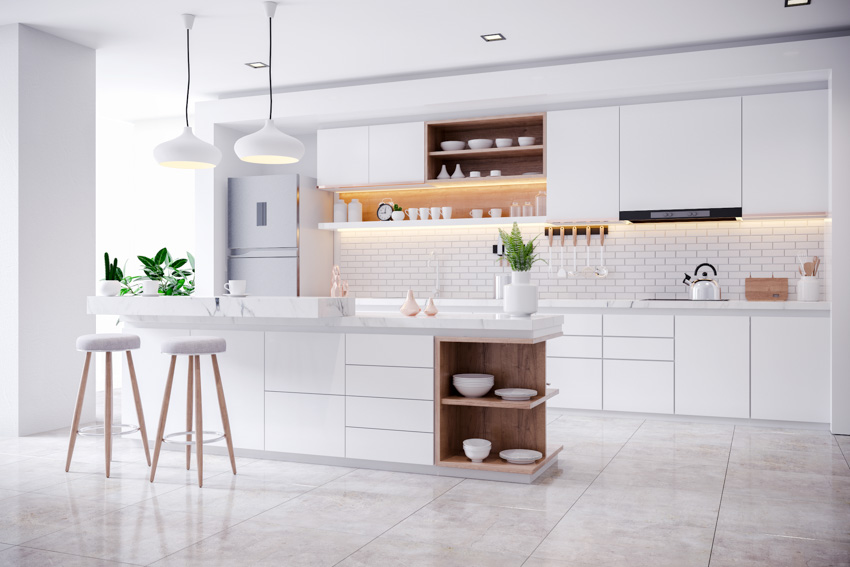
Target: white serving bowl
(504, 142)
(526, 140)
(477, 453)
(479, 443)
(473, 391)
(480, 144)
(472, 376)
(452, 146)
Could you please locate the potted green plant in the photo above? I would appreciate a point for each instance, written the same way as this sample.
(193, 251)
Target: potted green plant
(398, 213)
(110, 285)
(520, 295)
(175, 276)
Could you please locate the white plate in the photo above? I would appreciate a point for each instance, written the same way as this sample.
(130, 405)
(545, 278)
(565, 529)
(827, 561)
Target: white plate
(463, 376)
(515, 394)
(521, 456)
(149, 294)
(234, 295)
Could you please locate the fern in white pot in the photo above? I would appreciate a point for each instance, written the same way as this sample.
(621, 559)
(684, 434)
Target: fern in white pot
(520, 295)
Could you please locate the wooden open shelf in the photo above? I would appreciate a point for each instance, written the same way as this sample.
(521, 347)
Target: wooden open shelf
(536, 150)
(496, 463)
(494, 401)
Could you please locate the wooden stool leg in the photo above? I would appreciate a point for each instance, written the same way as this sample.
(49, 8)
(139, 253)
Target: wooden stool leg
(163, 414)
(225, 421)
(75, 422)
(107, 422)
(199, 423)
(139, 413)
(189, 401)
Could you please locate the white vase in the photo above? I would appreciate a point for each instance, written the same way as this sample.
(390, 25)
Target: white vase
(410, 307)
(520, 295)
(458, 174)
(808, 288)
(108, 288)
(443, 173)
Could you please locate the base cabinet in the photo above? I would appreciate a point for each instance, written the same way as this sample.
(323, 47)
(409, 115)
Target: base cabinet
(579, 381)
(638, 385)
(310, 424)
(394, 446)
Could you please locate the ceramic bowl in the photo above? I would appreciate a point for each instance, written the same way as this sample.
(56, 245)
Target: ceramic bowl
(473, 391)
(480, 144)
(477, 453)
(504, 142)
(526, 140)
(452, 146)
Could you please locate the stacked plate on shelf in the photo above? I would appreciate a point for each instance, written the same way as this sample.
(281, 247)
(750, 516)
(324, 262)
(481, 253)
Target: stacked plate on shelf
(473, 385)
(521, 456)
(515, 394)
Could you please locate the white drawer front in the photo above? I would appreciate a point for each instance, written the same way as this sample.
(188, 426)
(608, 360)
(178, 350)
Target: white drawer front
(575, 347)
(582, 324)
(638, 349)
(579, 381)
(390, 446)
(641, 386)
(383, 413)
(312, 363)
(638, 326)
(305, 423)
(389, 382)
(390, 350)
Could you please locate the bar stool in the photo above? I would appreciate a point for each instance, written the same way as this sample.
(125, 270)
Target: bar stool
(194, 347)
(107, 343)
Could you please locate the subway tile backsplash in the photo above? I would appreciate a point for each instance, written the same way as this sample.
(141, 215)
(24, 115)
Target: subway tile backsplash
(643, 260)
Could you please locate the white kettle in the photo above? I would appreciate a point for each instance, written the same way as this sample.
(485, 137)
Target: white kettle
(703, 288)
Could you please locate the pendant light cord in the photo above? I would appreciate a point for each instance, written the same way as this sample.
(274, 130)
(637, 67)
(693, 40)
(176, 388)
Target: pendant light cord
(188, 76)
(270, 68)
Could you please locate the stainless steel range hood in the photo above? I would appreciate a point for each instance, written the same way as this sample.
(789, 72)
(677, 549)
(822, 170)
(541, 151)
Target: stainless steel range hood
(683, 215)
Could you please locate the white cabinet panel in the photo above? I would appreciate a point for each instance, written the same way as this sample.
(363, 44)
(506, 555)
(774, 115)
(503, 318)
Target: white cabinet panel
(390, 350)
(385, 413)
(680, 155)
(397, 153)
(389, 382)
(391, 446)
(309, 424)
(579, 381)
(637, 348)
(342, 156)
(638, 325)
(576, 347)
(639, 386)
(713, 366)
(786, 152)
(582, 324)
(305, 362)
(583, 164)
(790, 368)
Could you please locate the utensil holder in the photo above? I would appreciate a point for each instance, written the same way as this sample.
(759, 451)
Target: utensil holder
(808, 288)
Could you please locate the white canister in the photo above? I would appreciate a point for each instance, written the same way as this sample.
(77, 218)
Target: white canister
(520, 295)
(808, 288)
(355, 211)
(340, 211)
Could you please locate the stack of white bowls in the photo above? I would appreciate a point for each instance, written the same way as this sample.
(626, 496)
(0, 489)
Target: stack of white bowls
(477, 449)
(473, 385)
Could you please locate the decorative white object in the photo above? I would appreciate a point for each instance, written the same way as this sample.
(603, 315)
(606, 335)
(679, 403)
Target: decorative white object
(108, 288)
(520, 295)
(398, 215)
(430, 308)
(515, 394)
(458, 174)
(410, 307)
(808, 288)
(187, 151)
(340, 211)
(355, 211)
(444, 174)
(269, 145)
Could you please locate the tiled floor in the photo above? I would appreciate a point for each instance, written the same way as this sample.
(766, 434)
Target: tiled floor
(626, 492)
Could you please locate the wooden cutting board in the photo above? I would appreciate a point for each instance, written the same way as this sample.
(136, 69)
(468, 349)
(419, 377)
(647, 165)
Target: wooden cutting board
(766, 289)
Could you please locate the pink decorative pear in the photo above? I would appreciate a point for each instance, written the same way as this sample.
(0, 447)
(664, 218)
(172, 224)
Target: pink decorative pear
(430, 308)
(410, 307)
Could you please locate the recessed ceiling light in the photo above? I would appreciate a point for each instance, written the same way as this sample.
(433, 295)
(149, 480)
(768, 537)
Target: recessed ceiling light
(495, 37)
(792, 3)
(257, 65)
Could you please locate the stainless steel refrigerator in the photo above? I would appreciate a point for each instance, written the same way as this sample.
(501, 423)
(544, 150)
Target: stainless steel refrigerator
(273, 236)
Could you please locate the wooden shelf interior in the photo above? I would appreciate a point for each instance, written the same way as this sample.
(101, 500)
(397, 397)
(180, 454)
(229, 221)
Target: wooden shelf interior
(496, 463)
(492, 400)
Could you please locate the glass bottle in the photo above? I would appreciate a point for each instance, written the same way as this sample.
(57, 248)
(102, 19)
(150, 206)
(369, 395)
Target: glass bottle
(540, 202)
(527, 209)
(516, 210)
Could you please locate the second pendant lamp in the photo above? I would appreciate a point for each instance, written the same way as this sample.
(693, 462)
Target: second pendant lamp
(269, 145)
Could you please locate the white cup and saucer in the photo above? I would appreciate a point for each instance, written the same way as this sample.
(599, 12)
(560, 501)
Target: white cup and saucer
(236, 288)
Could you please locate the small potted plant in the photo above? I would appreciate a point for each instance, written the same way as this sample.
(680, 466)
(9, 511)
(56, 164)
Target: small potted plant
(110, 285)
(175, 277)
(520, 295)
(398, 213)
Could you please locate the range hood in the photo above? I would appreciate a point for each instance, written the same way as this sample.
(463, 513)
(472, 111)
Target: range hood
(683, 215)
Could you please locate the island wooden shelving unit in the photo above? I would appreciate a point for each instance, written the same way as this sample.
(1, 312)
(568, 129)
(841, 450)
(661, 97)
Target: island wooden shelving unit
(514, 363)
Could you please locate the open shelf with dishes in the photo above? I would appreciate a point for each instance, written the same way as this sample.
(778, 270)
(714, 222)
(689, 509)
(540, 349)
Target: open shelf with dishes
(505, 424)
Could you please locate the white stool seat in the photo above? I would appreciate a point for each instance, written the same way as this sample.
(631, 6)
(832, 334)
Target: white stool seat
(194, 346)
(108, 342)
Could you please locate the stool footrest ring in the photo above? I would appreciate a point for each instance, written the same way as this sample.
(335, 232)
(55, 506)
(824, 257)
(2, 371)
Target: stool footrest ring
(218, 436)
(100, 430)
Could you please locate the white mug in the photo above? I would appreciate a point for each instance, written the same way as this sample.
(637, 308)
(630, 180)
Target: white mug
(495, 212)
(236, 287)
(476, 213)
(435, 213)
(150, 287)
(495, 173)
(413, 213)
(475, 174)
(447, 212)
(423, 213)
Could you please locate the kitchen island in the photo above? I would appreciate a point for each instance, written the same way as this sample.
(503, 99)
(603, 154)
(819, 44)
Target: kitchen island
(308, 379)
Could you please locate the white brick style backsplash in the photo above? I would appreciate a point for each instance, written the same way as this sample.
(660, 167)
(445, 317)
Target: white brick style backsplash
(644, 261)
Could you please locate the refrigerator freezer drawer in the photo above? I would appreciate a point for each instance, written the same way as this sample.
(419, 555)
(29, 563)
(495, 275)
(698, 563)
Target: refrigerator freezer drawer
(263, 211)
(266, 276)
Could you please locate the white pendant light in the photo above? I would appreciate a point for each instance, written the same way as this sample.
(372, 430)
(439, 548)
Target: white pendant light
(269, 145)
(187, 151)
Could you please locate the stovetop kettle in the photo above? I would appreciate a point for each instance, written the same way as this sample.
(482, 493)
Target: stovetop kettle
(703, 288)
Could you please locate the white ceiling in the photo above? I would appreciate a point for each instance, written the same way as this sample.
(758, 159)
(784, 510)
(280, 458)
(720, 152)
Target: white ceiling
(141, 58)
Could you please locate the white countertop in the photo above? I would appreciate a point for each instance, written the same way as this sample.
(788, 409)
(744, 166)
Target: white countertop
(222, 306)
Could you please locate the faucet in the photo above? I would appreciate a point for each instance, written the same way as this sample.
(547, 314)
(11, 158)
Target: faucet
(432, 258)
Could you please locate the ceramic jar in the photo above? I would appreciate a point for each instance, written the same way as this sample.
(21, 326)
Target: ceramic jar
(340, 211)
(355, 211)
(520, 295)
(808, 288)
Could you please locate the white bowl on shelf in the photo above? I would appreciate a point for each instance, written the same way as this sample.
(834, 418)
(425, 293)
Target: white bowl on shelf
(452, 145)
(480, 144)
(504, 142)
(476, 450)
(473, 390)
(472, 376)
(526, 140)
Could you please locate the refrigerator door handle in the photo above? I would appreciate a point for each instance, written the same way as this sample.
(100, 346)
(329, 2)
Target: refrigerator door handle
(262, 213)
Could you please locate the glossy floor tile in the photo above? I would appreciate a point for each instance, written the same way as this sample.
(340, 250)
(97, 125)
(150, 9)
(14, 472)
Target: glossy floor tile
(625, 491)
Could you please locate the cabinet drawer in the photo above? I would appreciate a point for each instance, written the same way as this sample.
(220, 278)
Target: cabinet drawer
(390, 350)
(638, 326)
(389, 446)
(642, 386)
(575, 347)
(389, 382)
(305, 423)
(638, 349)
(383, 413)
(582, 324)
(579, 381)
(311, 363)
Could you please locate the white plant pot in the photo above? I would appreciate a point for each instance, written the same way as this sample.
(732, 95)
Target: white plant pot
(520, 295)
(808, 288)
(108, 288)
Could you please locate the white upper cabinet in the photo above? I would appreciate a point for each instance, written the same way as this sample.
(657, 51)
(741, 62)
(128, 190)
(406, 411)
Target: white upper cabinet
(583, 164)
(680, 155)
(785, 153)
(397, 153)
(384, 154)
